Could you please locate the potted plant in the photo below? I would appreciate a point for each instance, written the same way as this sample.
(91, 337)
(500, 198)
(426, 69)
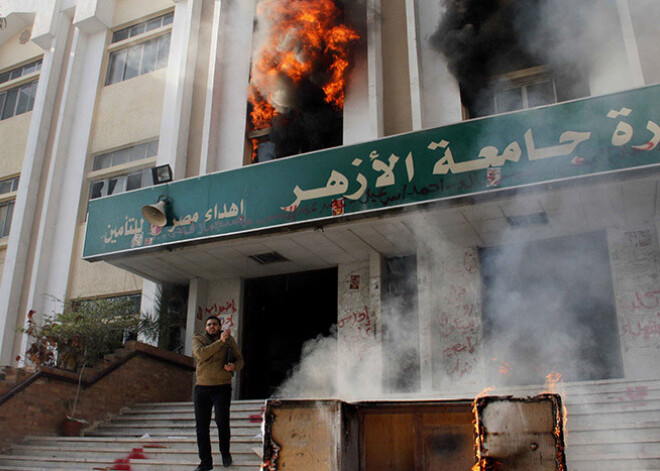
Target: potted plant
(78, 337)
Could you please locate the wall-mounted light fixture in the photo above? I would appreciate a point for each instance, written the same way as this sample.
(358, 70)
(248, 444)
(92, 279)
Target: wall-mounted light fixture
(156, 214)
(161, 174)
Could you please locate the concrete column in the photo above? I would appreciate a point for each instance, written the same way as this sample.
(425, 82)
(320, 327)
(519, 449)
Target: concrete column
(635, 262)
(375, 70)
(148, 306)
(23, 225)
(223, 140)
(177, 102)
(197, 293)
(426, 310)
(634, 62)
(439, 94)
(414, 65)
(357, 109)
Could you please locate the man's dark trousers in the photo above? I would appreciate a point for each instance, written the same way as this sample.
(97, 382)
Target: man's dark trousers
(207, 398)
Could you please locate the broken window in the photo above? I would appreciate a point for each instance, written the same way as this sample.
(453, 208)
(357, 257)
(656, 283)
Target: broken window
(301, 53)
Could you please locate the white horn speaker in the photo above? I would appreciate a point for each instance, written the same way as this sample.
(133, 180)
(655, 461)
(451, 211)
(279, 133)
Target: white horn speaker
(155, 213)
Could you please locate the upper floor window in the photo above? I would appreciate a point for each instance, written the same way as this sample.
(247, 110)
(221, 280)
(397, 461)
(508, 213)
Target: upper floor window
(20, 71)
(122, 156)
(140, 58)
(9, 185)
(528, 88)
(143, 27)
(6, 212)
(121, 183)
(137, 161)
(18, 99)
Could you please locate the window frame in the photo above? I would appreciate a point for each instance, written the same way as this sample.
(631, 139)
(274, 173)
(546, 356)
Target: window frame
(522, 79)
(122, 171)
(138, 44)
(24, 85)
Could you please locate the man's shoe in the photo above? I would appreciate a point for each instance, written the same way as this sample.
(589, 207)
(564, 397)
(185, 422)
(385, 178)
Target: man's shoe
(226, 460)
(201, 467)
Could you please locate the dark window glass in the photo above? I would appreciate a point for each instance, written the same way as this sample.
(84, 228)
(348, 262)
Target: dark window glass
(10, 103)
(509, 100)
(28, 69)
(4, 77)
(116, 68)
(542, 93)
(134, 181)
(119, 157)
(163, 51)
(142, 27)
(9, 185)
(152, 148)
(23, 99)
(136, 29)
(119, 35)
(97, 189)
(136, 152)
(154, 23)
(16, 73)
(133, 57)
(112, 184)
(3, 97)
(149, 56)
(6, 213)
(31, 95)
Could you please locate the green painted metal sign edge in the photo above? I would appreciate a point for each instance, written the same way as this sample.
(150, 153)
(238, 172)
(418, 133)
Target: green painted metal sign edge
(565, 141)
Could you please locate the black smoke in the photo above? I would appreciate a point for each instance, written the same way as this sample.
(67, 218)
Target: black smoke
(482, 39)
(311, 124)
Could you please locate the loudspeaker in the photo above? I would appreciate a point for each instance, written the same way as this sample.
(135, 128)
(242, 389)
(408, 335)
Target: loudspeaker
(155, 213)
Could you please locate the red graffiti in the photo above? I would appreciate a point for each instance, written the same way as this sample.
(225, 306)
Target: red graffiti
(357, 322)
(637, 395)
(648, 300)
(645, 329)
(459, 348)
(355, 282)
(224, 312)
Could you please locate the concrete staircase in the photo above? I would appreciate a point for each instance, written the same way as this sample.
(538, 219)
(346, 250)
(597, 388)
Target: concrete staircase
(612, 425)
(156, 436)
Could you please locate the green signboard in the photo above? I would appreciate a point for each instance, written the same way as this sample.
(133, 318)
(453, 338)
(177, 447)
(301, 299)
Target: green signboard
(568, 140)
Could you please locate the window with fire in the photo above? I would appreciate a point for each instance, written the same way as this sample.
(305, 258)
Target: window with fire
(300, 59)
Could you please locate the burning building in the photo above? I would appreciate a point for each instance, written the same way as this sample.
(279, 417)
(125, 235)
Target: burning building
(468, 198)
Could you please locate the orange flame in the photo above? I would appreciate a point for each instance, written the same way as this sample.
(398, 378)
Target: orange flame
(552, 380)
(480, 465)
(298, 39)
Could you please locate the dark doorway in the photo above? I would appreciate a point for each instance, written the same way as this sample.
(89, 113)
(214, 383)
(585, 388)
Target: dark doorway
(281, 313)
(549, 306)
(401, 325)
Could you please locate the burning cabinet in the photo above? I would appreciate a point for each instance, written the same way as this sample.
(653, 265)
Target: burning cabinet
(490, 433)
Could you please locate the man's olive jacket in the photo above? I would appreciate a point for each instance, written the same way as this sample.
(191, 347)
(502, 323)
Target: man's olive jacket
(211, 357)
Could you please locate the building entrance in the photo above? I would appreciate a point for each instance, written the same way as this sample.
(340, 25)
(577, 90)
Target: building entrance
(281, 313)
(549, 307)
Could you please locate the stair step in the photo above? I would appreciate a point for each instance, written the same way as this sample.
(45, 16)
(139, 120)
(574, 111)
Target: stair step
(131, 442)
(165, 432)
(70, 462)
(173, 455)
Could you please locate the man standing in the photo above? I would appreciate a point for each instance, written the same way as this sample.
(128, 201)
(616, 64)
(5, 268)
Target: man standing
(217, 357)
